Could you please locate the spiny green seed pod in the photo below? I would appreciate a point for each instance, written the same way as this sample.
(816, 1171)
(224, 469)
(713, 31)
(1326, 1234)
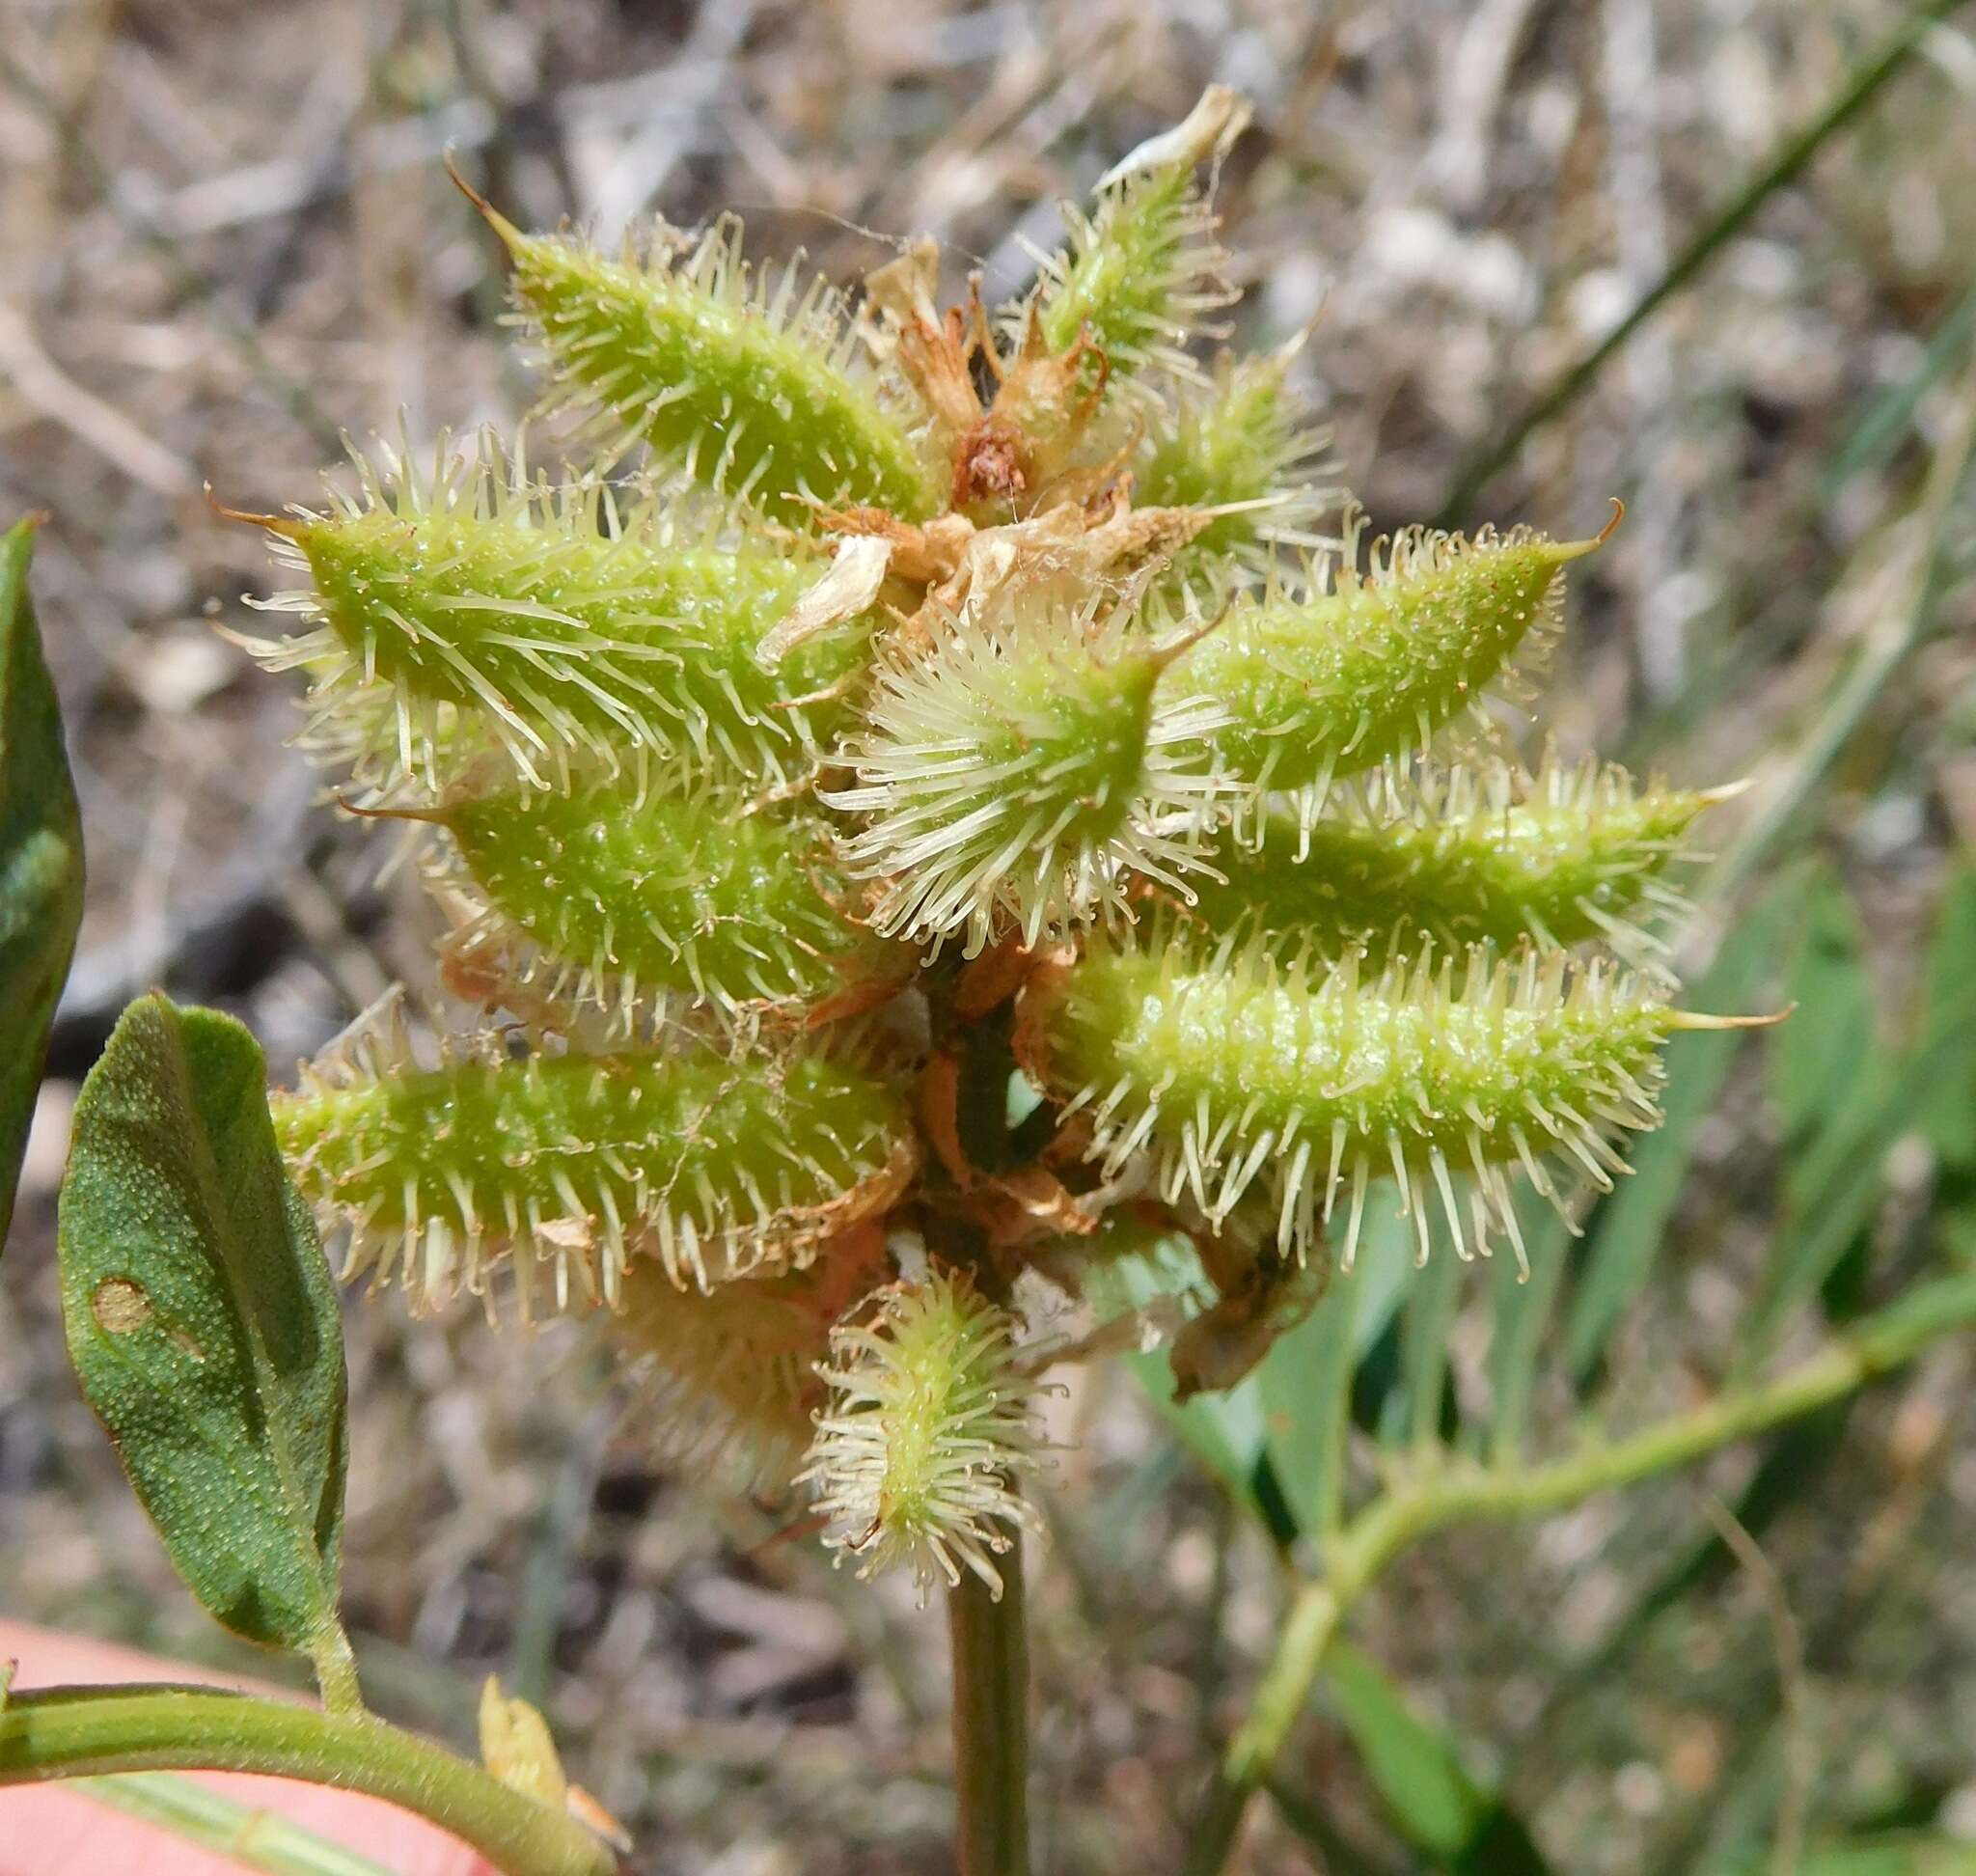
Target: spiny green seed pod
(918, 1457)
(729, 1381)
(1467, 855)
(756, 386)
(561, 622)
(1323, 684)
(631, 895)
(1239, 444)
(1018, 771)
(1230, 1063)
(578, 1163)
(1141, 269)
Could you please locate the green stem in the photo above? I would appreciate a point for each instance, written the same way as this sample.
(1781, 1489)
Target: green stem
(1459, 1489)
(1727, 223)
(991, 1722)
(60, 1732)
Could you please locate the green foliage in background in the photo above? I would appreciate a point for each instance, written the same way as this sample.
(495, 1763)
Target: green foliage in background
(40, 860)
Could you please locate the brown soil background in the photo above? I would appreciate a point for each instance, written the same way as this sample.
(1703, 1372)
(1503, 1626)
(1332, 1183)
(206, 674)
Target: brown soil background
(225, 235)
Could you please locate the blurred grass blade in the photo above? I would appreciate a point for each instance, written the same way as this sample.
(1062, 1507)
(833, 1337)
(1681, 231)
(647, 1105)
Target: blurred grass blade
(1417, 1771)
(1892, 1853)
(1306, 1378)
(1628, 1227)
(249, 1838)
(1522, 1309)
(41, 861)
(1224, 1431)
(1948, 1110)
(1819, 1058)
(1422, 1391)
(1338, 1855)
(1772, 623)
(1832, 1082)
(1890, 415)
(203, 1323)
(1842, 1204)
(1929, 555)
(1383, 1274)
(1837, 1184)
(1862, 83)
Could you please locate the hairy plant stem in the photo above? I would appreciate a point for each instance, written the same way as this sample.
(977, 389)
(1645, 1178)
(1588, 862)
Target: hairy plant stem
(991, 1722)
(58, 1732)
(336, 1670)
(1431, 1495)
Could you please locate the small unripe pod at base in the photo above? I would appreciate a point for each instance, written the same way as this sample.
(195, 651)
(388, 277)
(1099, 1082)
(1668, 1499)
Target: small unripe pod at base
(928, 1431)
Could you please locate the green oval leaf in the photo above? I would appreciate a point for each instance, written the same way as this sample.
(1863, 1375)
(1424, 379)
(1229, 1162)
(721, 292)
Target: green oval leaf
(40, 860)
(1417, 1770)
(202, 1320)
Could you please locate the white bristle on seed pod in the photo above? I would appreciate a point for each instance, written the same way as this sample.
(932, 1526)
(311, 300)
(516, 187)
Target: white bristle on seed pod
(1017, 773)
(715, 1165)
(469, 604)
(1141, 269)
(1573, 855)
(1232, 1064)
(755, 382)
(918, 1456)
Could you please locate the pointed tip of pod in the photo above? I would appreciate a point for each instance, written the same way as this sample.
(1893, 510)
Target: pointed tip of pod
(432, 816)
(1219, 116)
(1280, 360)
(511, 237)
(1571, 550)
(1724, 791)
(287, 526)
(1696, 1019)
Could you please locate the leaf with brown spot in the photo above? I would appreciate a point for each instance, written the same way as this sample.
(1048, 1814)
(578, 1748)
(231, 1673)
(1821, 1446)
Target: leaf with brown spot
(203, 1323)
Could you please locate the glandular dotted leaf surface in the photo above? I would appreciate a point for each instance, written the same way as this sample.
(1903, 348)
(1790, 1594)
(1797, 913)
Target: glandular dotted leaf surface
(202, 1320)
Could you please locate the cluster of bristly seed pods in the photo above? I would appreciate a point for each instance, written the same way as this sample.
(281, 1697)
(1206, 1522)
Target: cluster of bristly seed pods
(947, 820)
